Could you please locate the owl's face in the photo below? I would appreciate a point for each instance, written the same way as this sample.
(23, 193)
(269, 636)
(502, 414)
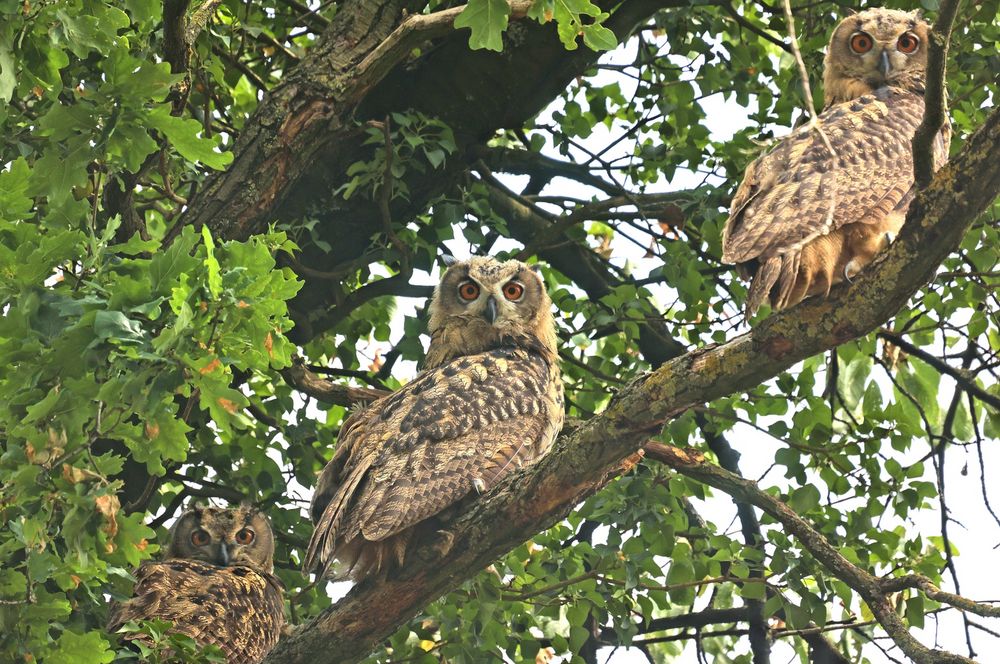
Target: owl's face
(876, 47)
(481, 302)
(223, 537)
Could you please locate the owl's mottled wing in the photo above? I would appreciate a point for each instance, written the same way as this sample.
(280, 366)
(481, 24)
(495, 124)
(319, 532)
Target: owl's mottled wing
(236, 608)
(799, 191)
(413, 453)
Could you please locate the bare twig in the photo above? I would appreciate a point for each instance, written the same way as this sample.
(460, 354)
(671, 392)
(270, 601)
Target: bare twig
(305, 381)
(935, 110)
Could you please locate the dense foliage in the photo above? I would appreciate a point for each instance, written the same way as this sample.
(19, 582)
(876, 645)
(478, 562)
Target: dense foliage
(141, 359)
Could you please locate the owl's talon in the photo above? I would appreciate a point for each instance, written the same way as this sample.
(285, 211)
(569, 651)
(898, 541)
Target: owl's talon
(479, 485)
(888, 239)
(851, 270)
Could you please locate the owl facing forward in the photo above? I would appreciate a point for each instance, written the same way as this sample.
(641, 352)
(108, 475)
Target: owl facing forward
(804, 219)
(489, 400)
(215, 584)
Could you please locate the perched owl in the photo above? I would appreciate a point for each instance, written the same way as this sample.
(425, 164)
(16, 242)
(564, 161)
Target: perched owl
(488, 400)
(804, 219)
(215, 584)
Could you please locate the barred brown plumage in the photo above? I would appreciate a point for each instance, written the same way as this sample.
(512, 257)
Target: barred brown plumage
(804, 219)
(220, 592)
(488, 400)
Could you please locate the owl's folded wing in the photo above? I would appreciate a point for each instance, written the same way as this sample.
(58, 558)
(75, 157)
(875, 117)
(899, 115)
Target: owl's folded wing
(456, 428)
(800, 191)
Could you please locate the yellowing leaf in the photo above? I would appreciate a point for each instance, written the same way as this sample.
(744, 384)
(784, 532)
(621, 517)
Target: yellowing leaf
(210, 367)
(230, 406)
(152, 430)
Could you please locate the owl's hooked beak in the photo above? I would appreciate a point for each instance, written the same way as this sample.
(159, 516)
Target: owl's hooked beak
(491, 311)
(222, 556)
(884, 65)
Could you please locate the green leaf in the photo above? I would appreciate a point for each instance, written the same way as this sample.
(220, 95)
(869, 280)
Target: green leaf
(599, 38)
(7, 80)
(114, 325)
(183, 134)
(86, 648)
(804, 499)
(211, 264)
(487, 19)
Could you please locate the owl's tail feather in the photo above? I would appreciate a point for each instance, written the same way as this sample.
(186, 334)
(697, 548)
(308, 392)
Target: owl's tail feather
(320, 553)
(787, 280)
(760, 287)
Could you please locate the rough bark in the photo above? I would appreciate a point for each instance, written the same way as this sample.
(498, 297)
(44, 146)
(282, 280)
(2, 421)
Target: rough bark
(294, 152)
(586, 459)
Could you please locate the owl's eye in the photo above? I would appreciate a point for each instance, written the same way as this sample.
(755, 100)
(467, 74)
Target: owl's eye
(861, 42)
(199, 538)
(513, 291)
(468, 291)
(907, 43)
(245, 536)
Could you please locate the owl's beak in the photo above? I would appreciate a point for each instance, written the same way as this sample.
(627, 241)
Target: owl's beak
(490, 314)
(884, 65)
(222, 557)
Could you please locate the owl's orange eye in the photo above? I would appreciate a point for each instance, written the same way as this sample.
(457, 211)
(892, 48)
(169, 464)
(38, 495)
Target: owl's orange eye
(861, 42)
(513, 291)
(468, 291)
(199, 538)
(907, 43)
(244, 536)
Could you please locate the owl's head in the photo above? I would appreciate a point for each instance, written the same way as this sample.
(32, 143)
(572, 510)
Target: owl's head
(482, 303)
(223, 537)
(874, 48)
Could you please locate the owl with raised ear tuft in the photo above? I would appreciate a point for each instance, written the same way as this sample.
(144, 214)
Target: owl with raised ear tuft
(488, 400)
(805, 218)
(216, 584)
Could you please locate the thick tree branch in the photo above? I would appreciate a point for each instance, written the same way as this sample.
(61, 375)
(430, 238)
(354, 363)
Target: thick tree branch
(580, 463)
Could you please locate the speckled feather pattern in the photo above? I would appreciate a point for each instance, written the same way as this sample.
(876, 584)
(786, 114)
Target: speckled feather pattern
(490, 401)
(802, 215)
(237, 608)
(413, 453)
(798, 192)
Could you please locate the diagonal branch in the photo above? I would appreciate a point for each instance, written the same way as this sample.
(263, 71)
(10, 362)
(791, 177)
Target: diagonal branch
(873, 590)
(580, 463)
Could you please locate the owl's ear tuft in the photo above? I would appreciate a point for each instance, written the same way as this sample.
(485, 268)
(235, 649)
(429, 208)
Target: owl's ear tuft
(448, 260)
(918, 14)
(537, 268)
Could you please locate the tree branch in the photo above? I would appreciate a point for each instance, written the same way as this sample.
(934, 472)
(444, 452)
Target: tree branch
(305, 381)
(935, 109)
(961, 376)
(532, 499)
(873, 591)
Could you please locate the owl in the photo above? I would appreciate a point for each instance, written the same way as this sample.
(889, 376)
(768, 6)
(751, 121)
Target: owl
(215, 584)
(804, 219)
(488, 400)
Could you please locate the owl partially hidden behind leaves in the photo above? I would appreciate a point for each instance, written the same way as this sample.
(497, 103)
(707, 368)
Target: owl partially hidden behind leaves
(215, 584)
(804, 219)
(489, 400)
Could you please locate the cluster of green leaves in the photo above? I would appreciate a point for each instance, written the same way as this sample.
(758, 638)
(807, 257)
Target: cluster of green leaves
(487, 20)
(128, 362)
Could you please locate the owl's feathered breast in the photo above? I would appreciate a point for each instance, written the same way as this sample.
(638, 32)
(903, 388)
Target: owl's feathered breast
(800, 191)
(411, 454)
(237, 608)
